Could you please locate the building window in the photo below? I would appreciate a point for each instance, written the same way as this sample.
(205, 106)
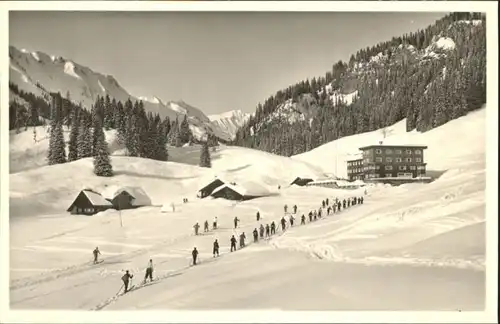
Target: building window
(409, 175)
(418, 160)
(407, 159)
(420, 167)
(379, 159)
(388, 151)
(418, 152)
(401, 174)
(388, 167)
(378, 151)
(402, 167)
(388, 159)
(376, 175)
(388, 175)
(398, 160)
(408, 151)
(412, 167)
(377, 167)
(398, 151)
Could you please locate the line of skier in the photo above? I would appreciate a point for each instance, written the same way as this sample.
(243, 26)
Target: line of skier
(262, 232)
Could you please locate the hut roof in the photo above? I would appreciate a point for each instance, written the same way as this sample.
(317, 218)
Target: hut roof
(140, 198)
(95, 198)
(246, 188)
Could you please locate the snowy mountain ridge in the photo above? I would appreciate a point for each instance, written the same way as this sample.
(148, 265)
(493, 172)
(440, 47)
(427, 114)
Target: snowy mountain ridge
(39, 73)
(229, 122)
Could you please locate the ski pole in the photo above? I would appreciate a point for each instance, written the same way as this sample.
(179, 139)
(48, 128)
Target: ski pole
(120, 289)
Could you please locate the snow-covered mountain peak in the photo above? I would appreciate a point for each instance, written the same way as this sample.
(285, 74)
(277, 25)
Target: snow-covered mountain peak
(37, 72)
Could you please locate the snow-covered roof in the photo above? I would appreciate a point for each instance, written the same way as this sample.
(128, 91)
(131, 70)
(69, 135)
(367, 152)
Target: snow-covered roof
(246, 188)
(140, 198)
(96, 199)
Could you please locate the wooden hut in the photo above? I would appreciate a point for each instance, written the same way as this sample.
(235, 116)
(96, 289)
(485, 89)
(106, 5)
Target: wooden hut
(89, 202)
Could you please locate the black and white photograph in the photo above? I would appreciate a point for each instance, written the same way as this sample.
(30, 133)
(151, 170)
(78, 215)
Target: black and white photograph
(250, 160)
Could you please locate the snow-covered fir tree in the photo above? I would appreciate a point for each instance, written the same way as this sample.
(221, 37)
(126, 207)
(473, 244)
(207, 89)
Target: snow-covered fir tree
(57, 146)
(84, 139)
(73, 137)
(205, 160)
(102, 160)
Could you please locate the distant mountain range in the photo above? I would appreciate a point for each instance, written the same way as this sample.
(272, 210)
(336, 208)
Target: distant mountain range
(37, 72)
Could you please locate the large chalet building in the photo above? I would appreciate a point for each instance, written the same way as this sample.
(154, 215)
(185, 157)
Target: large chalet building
(388, 161)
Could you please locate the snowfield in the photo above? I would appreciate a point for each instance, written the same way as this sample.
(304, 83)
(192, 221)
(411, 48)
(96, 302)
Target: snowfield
(412, 247)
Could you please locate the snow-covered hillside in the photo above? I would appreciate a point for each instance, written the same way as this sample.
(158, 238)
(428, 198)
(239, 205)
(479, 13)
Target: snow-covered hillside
(161, 180)
(34, 71)
(431, 235)
(442, 153)
(226, 124)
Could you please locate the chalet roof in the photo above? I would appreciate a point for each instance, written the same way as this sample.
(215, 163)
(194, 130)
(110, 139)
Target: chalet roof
(208, 181)
(402, 146)
(95, 198)
(140, 198)
(246, 188)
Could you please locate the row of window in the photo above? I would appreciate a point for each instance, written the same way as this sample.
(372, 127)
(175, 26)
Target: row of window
(389, 151)
(354, 163)
(389, 175)
(397, 160)
(85, 210)
(387, 167)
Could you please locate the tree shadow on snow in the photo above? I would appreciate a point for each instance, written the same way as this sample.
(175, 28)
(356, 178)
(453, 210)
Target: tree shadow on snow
(140, 175)
(435, 174)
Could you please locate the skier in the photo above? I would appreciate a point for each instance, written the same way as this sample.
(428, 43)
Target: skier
(233, 243)
(328, 210)
(303, 220)
(291, 220)
(338, 206)
(323, 204)
(359, 200)
(125, 278)
(196, 227)
(362, 200)
(236, 220)
(195, 255)
(149, 271)
(273, 228)
(348, 202)
(319, 212)
(267, 230)
(255, 235)
(261, 230)
(242, 240)
(285, 208)
(310, 216)
(258, 216)
(327, 201)
(205, 228)
(96, 252)
(315, 214)
(295, 209)
(216, 248)
(344, 204)
(214, 225)
(283, 223)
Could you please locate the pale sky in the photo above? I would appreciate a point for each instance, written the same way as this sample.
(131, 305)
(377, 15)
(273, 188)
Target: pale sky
(212, 60)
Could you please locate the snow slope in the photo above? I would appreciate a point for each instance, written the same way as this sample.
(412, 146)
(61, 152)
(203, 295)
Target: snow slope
(58, 74)
(443, 153)
(229, 122)
(416, 246)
